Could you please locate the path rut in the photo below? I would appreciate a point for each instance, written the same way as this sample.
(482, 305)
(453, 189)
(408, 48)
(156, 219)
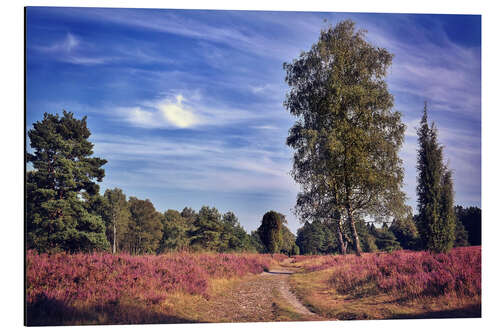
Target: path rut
(254, 300)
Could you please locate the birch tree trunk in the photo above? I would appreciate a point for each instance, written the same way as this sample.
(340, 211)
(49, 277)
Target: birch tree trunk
(114, 238)
(340, 236)
(357, 247)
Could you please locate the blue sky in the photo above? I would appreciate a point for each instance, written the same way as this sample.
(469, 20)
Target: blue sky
(186, 105)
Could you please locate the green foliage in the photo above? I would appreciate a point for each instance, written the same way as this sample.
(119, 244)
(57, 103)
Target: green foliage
(470, 218)
(436, 220)
(461, 235)
(175, 232)
(385, 239)
(189, 215)
(234, 237)
(270, 231)
(256, 242)
(406, 232)
(367, 239)
(319, 238)
(145, 228)
(288, 241)
(207, 229)
(62, 179)
(346, 138)
(316, 238)
(116, 215)
(446, 227)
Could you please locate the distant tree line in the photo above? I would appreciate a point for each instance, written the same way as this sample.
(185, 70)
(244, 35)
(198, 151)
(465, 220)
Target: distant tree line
(66, 212)
(142, 229)
(319, 238)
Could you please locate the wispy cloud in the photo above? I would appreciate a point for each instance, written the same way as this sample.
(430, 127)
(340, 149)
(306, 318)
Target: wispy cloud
(70, 49)
(244, 37)
(433, 68)
(180, 111)
(65, 45)
(189, 164)
(266, 127)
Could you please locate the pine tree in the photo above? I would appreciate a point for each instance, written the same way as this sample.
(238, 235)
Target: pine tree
(256, 242)
(310, 238)
(317, 238)
(63, 177)
(406, 232)
(470, 218)
(207, 229)
(233, 237)
(446, 230)
(436, 219)
(386, 240)
(461, 236)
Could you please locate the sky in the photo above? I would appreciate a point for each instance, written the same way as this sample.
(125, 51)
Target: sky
(187, 106)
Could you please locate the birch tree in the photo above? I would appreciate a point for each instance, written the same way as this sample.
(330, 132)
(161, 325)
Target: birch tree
(346, 136)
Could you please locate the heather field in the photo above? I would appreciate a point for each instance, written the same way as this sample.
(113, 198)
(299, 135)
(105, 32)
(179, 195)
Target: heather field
(69, 289)
(402, 284)
(105, 289)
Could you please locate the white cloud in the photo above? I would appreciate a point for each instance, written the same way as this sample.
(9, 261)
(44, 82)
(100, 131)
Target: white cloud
(179, 111)
(164, 113)
(178, 115)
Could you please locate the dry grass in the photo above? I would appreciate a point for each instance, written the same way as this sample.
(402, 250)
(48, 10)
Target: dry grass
(316, 290)
(283, 311)
(93, 289)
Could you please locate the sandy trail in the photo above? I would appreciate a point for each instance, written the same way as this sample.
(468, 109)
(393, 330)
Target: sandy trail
(281, 280)
(254, 300)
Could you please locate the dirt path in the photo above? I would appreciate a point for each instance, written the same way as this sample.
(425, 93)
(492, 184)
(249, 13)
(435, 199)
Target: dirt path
(266, 297)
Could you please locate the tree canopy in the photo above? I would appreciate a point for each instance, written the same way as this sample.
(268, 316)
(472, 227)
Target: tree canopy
(175, 232)
(346, 137)
(470, 218)
(116, 215)
(270, 231)
(207, 229)
(64, 174)
(406, 232)
(145, 228)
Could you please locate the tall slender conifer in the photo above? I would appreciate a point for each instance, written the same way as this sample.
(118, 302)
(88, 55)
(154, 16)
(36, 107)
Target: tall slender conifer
(436, 220)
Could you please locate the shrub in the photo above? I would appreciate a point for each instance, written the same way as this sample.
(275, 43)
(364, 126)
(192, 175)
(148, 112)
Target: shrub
(408, 274)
